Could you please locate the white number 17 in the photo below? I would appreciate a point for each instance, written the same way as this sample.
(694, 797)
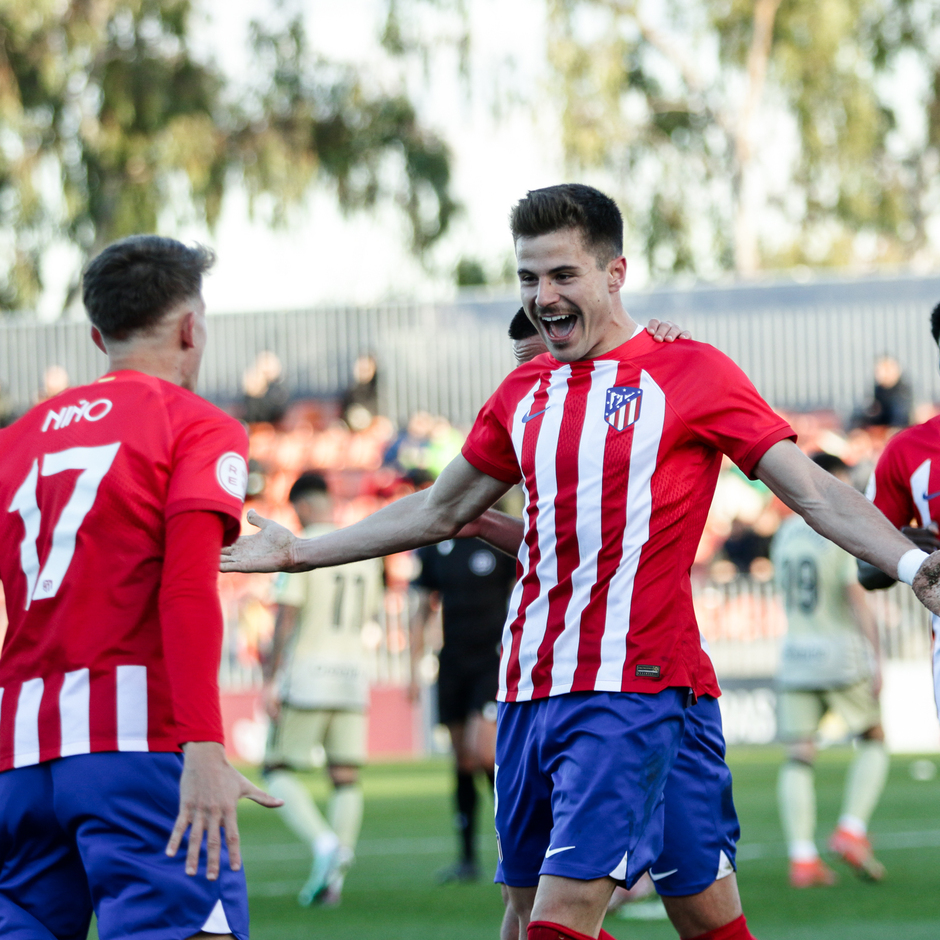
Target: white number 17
(94, 462)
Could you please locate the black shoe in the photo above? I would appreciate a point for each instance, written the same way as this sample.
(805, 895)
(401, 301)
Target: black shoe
(460, 872)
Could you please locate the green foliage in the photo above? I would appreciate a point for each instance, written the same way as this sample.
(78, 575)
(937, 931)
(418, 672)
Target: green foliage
(108, 120)
(664, 99)
(469, 273)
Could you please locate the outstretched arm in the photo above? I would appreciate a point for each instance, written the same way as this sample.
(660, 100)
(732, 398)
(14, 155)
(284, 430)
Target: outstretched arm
(843, 515)
(459, 494)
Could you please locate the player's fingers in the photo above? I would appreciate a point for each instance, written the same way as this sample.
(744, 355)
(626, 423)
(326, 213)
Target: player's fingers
(195, 843)
(257, 520)
(213, 846)
(179, 829)
(233, 839)
(685, 334)
(252, 792)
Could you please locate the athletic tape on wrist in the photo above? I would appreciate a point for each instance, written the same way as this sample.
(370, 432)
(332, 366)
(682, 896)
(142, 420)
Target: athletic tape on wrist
(910, 564)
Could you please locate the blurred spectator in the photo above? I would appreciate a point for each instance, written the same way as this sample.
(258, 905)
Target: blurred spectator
(743, 546)
(266, 395)
(410, 449)
(891, 399)
(54, 380)
(361, 401)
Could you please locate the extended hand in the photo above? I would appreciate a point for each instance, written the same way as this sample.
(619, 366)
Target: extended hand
(665, 331)
(267, 550)
(210, 789)
(927, 583)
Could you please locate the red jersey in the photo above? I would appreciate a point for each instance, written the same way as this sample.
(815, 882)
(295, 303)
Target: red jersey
(618, 457)
(89, 480)
(906, 483)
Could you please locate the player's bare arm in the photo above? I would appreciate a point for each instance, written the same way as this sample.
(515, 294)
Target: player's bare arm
(458, 496)
(285, 623)
(844, 516)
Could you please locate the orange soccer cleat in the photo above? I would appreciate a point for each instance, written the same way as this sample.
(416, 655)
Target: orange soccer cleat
(857, 851)
(812, 873)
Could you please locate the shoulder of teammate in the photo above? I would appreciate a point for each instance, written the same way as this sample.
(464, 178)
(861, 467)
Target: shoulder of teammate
(489, 445)
(716, 401)
(210, 458)
(890, 485)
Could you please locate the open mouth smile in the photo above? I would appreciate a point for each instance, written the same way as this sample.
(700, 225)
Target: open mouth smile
(558, 326)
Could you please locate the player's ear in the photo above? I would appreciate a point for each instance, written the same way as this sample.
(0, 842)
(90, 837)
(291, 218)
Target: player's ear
(98, 339)
(187, 330)
(616, 274)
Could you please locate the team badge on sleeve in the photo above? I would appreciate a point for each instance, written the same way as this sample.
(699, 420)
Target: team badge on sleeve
(232, 473)
(622, 407)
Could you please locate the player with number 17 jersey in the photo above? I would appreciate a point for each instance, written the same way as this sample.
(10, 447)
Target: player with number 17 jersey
(90, 480)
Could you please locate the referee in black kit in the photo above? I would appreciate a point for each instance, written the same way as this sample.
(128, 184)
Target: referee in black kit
(473, 582)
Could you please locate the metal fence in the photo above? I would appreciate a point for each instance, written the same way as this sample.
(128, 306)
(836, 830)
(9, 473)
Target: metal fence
(743, 623)
(804, 345)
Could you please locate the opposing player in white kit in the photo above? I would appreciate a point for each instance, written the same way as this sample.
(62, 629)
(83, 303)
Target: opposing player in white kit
(316, 695)
(829, 661)
(618, 441)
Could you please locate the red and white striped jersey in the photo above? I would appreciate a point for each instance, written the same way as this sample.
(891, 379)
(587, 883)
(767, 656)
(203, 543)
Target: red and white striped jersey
(87, 483)
(618, 457)
(906, 483)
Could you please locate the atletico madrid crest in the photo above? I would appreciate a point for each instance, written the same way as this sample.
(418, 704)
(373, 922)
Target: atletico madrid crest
(622, 407)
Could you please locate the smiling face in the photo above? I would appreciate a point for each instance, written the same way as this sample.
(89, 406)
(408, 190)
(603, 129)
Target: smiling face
(573, 301)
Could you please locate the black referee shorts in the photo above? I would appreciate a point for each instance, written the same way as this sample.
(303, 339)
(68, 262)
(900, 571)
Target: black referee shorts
(465, 687)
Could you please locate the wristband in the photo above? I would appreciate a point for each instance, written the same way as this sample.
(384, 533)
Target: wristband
(909, 564)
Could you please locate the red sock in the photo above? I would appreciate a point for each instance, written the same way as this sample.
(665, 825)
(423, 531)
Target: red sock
(736, 930)
(545, 930)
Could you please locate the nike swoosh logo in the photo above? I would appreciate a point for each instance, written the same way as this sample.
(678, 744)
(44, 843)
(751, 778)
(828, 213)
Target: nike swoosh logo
(550, 852)
(664, 874)
(927, 496)
(526, 419)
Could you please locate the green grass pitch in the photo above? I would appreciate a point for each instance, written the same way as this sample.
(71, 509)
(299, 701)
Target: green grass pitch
(407, 836)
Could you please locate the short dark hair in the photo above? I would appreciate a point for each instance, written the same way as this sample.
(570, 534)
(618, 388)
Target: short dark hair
(829, 462)
(571, 205)
(308, 482)
(521, 326)
(935, 324)
(134, 282)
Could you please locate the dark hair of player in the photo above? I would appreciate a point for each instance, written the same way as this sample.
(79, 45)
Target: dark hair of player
(829, 462)
(134, 282)
(308, 482)
(521, 326)
(571, 205)
(935, 324)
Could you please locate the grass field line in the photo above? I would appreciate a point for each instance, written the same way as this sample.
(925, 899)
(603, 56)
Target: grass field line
(434, 845)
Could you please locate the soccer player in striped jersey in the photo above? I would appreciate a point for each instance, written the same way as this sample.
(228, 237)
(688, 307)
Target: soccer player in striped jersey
(117, 498)
(618, 442)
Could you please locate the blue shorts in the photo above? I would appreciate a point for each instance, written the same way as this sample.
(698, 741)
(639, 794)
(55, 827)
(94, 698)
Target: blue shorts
(89, 831)
(591, 784)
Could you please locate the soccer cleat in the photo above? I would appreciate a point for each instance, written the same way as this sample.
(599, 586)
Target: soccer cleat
(856, 851)
(460, 872)
(324, 866)
(811, 873)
